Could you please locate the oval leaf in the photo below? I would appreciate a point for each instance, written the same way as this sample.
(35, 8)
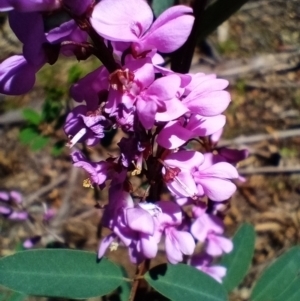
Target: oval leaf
(182, 282)
(238, 261)
(59, 273)
(279, 277)
(32, 116)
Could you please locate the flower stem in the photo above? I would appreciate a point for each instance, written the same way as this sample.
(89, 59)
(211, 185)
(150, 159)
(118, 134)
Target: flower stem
(140, 271)
(182, 57)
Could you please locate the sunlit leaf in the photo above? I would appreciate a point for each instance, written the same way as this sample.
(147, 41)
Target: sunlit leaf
(39, 142)
(182, 282)
(238, 261)
(59, 273)
(26, 135)
(281, 280)
(32, 116)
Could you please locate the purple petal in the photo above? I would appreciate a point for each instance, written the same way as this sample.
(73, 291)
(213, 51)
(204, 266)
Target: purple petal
(16, 196)
(4, 196)
(119, 20)
(17, 76)
(5, 210)
(149, 246)
(169, 31)
(171, 213)
(146, 111)
(185, 242)
(140, 220)
(174, 109)
(209, 104)
(173, 135)
(105, 243)
(173, 253)
(216, 272)
(31, 242)
(217, 189)
(220, 170)
(204, 126)
(21, 215)
(164, 88)
(185, 160)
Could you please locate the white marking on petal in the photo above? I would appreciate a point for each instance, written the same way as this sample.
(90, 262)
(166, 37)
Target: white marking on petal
(77, 137)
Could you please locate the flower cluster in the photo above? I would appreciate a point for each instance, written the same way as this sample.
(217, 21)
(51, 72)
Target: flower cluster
(13, 208)
(163, 116)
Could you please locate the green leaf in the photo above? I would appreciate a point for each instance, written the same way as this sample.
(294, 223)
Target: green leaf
(59, 273)
(216, 14)
(125, 288)
(182, 282)
(58, 147)
(281, 280)
(27, 135)
(238, 261)
(32, 116)
(39, 142)
(159, 6)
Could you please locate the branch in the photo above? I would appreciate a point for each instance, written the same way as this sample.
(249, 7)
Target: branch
(259, 137)
(182, 57)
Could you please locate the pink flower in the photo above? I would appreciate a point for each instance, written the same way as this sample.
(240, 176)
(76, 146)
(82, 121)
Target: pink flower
(130, 21)
(203, 263)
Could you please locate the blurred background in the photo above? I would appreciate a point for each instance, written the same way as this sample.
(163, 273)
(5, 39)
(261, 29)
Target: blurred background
(257, 49)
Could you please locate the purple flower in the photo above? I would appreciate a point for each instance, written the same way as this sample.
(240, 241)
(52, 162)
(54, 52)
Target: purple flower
(91, 88)
(180, 131)
(84, 125)
(209, 228)
(17, 76)
(131, 22)
(203, 263)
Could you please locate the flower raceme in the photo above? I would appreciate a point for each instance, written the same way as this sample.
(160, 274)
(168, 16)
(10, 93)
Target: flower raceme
(162, 116)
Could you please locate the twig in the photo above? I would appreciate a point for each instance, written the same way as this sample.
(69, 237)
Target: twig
(259, 64)
(260, 85)
(34, 196)
(259, 137)
(269, 169)
(65, 208)
(141, 269)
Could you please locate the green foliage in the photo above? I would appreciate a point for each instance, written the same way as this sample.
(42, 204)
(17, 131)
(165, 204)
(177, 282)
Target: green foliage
(238, 261)
(32, 134)
(28, 134)
(216, 14)
(159, 6)
(32, 116)
(58, 147)
(74, 74)
(182, 282)
(281, 280)
(39, 142)
(59, 273)
(53, 105)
